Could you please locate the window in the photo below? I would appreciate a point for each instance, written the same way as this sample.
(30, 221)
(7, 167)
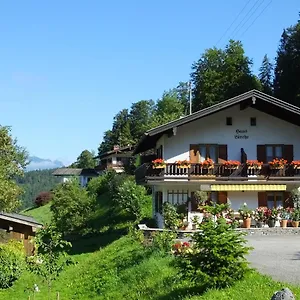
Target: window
(253, 121)
(158, 202)
(177, 197)
(208, 151)
(159, 152)
(275, 199)
(274, 151)
(229, 121)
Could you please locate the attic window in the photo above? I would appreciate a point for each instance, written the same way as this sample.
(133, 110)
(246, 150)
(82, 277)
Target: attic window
(229, 121)
(253, 121)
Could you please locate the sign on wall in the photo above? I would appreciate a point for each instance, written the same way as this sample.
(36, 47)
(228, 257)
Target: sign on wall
(241, 134)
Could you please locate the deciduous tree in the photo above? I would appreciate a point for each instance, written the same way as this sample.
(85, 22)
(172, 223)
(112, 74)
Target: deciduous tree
(13, 160)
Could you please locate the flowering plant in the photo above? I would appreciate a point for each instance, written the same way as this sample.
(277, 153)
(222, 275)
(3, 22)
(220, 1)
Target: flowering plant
(245, 211)
(159, 162)
(231, 163)
(271, 213)
(254, 163)
(181, 248)
(259, 214)
(285, 213)
(207, 163)
(183, 163)
(277, 163)
(296, 164)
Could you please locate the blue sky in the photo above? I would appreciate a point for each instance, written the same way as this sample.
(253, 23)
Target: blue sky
(68, 67)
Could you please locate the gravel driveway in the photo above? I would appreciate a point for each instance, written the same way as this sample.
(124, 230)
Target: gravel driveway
(277, 256)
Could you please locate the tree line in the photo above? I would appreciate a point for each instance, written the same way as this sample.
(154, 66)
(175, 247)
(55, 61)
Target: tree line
(219, 74)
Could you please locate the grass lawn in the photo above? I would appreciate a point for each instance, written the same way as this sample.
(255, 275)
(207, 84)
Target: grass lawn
(112, 265)
(41, 214)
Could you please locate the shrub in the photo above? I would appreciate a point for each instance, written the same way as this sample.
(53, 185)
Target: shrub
(133, 199)
(72, 207)
(171, 216)
(49, 259)
(12, 261)
(163, 241)
(218, 256)
(43, 198)
(98, 185)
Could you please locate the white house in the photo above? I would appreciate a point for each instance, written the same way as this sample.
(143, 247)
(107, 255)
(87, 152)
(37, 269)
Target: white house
(116, 159)
(263, 126)
(83, 175)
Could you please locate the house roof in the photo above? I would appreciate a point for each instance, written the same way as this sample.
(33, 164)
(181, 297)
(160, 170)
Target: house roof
(263, 102)
(19, 218)
(127, 149)
(74, 172)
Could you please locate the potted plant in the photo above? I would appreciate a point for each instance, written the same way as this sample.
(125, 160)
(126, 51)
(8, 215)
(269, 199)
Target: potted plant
(259, 216)
(254, 164)
(181, 210)
(285, 216)
(208, 163)
(271, 216)
(295, 216)
(183, 164)
(195, 222)
(201, 199)
(277, 163)
(158, 163)
(231, 164)
(246, 214)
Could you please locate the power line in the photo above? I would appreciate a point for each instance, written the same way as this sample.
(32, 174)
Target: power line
(236, 29)
(233, 22)
(256, 18)
(250, 16)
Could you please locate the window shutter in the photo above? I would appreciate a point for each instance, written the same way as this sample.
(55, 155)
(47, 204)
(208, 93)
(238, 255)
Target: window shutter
(194, 153)
(288, 152)
(222, 197)
(261, 153)
(262, 199)
(222, 153)
(288, 200)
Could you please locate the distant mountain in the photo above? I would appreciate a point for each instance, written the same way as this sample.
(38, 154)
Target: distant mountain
(37, 163)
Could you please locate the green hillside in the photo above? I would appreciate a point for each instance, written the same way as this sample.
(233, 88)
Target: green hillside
(41, 214)
(114, 265)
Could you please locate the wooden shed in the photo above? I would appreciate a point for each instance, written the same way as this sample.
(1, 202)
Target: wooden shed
(19, 227)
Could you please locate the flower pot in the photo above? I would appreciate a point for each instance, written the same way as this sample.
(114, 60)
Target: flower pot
(295, 223)
(159, 167)
(271, 223)
(247, 223)
(259, 224)
(283, 223)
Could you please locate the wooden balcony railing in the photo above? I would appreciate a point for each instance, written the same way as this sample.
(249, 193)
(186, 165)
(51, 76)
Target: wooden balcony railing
(218, 171)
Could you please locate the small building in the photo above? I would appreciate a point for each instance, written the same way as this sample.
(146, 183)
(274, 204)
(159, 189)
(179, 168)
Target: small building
(84, 175)
(117, 159)
(245, 149)
(18, 227)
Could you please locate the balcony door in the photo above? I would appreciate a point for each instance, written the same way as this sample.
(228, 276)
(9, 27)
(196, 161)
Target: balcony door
(200, 152)
(266, 153)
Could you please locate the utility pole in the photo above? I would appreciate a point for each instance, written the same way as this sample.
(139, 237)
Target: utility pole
(190, 96)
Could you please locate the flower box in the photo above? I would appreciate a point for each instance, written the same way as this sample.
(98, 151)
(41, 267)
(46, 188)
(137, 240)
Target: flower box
(158, 163)
(277, 163)
(296, 164)
(254, 164)
(231, 164)
(183, 164)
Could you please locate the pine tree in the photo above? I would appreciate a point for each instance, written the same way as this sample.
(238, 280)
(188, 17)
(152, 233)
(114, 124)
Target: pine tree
(265, 76)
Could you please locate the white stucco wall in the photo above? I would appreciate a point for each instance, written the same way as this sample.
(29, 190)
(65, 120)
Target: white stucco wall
(237, 199)
(213, 130)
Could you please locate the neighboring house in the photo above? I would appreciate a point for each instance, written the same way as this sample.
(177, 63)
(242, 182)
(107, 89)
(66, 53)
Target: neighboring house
(116, 159)
(255, 124)
(19, 227)
(84, 175)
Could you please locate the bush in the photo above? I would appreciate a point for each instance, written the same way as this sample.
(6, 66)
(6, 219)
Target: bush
(133, 199)
(72, 207)
(171, 216)
(98, 185)
(163, 241)
(12, 262)
(43, 198)
(218, 256)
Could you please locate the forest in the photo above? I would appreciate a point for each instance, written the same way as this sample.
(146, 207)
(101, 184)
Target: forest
(219, 74)
(33, 183)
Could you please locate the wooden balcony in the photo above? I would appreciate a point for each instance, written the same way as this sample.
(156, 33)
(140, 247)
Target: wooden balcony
(219, 172)
(109, 166)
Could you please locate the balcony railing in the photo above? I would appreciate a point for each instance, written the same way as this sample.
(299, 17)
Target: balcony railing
(218, 172)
